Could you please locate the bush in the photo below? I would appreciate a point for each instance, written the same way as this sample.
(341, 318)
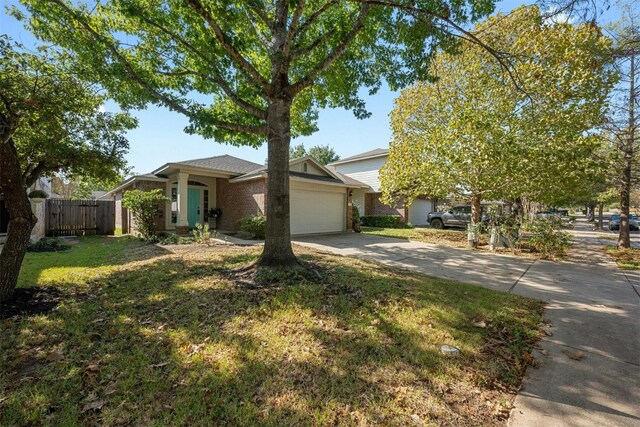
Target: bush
(356, 224)
(201, 234)
(384, 221)
(547, 239)
(174, 239)
(144, 207)
(48, 244)
(254, 225)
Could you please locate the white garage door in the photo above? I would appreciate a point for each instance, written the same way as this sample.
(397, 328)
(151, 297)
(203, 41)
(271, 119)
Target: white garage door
(317, 211)
(418, 211)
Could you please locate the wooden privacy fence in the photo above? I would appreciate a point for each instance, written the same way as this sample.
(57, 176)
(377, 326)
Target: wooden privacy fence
(80, 217)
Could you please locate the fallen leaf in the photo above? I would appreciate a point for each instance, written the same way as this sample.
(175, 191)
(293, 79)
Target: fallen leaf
(375, 322)
(159, 365)
(480, 324)
(55, 355)
(575, 355)
(92, 368)
(96, 405)
(98, 321)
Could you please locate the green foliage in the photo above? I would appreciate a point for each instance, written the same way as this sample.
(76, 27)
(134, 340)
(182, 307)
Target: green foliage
(328, 52)
(55, 117)
(38, 194)
(201, 234)
(473, 131)
(254, 225)
(356, 223)
(145, 206)
(324, 154)
(174, 239)
(384, 221)
(547, 239)
(48, 244)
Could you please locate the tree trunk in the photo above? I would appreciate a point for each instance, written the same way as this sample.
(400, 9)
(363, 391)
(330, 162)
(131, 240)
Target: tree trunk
(277, 245)
(476, 212)
(624, 239)
(600, 219)
(21, 219)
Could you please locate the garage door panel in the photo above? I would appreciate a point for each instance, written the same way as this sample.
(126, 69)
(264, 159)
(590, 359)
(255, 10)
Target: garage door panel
(317, 212)
(418, 211)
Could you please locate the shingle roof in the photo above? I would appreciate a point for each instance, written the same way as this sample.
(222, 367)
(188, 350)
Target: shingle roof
(224, 163)
(367, 154)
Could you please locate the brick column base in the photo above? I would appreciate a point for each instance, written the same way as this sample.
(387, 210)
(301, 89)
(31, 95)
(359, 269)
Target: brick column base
(182, 230)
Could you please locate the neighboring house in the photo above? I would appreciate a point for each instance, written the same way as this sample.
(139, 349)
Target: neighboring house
(319, 197)
(38, 209)
(365, 168)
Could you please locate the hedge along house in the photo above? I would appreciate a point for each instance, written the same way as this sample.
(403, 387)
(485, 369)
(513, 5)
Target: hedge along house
(320, 198)
(365, 168)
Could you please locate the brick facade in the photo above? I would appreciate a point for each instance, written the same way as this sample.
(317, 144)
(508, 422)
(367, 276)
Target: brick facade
(239, 200)
(373, 206)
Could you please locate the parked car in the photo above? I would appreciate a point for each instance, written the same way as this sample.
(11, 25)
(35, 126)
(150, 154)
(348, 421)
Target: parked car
(458, 216)
(614, 223)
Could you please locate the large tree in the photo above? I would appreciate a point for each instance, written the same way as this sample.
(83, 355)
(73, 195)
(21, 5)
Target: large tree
(249, 72)
(625, 103)
(483, 131)
(322, 153)
(49, 122)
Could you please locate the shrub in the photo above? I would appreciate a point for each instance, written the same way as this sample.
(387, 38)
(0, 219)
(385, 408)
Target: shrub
(547, 239)
(384, 221)
(254, 225)
(38, 194)
(144, 207)
(201, 234)
(356, 224)
(174, 239)
(48, 244)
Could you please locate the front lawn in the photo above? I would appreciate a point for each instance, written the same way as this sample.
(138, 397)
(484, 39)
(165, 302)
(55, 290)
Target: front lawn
(152, 335)
(453, 238)
(627, 259)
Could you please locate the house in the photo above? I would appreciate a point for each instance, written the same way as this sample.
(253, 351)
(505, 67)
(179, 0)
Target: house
(319, 197)
(365, 168)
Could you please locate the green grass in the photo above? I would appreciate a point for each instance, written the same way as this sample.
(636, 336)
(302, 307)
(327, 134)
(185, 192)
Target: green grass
(166, 338)
(627, 259)
(455, 238)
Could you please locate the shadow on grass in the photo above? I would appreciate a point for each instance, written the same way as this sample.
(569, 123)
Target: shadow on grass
(171, 340)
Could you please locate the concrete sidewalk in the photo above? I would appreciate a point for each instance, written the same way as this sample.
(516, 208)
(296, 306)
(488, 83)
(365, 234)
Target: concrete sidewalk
(589, 368)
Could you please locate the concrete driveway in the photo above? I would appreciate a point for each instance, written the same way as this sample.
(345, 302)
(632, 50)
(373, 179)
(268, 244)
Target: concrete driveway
(589, 365)
(492, 271)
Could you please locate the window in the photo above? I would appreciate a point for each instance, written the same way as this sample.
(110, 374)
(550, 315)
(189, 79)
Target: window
(206, 205)
(174, 205)
(304, 167)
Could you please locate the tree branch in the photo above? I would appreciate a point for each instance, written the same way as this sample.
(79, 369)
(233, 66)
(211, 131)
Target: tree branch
(310, 78)
(295, 20)
(310, 20)
(233, 53)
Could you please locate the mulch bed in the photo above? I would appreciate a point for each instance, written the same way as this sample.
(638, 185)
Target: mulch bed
(31, 301)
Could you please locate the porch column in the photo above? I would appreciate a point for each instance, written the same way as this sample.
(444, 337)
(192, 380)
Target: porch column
(183, 182)
(167, 209)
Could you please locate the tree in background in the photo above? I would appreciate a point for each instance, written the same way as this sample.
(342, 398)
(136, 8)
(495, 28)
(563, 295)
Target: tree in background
(82, 187)
(625, 103)
(473, 133)
(322, 153)
(264, 67)
(49, 122)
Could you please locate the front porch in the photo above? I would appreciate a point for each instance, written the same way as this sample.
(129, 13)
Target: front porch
(191, 196)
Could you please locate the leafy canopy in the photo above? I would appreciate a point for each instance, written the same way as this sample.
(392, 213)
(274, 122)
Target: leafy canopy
(475, 132)
(322, 153)
(221, 63)
(54, 120)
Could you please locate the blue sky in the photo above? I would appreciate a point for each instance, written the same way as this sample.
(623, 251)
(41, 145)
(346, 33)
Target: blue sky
(159, 137)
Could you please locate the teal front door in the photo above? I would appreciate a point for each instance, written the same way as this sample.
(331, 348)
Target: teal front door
(193, 209)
